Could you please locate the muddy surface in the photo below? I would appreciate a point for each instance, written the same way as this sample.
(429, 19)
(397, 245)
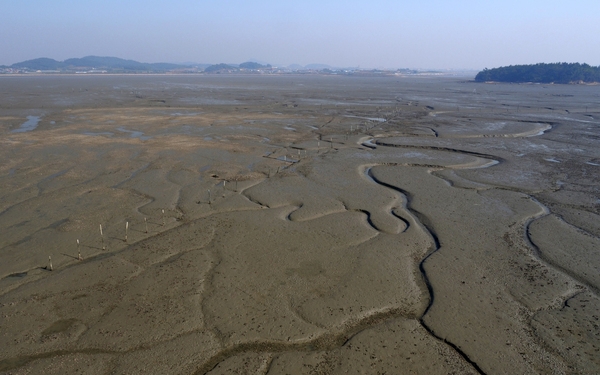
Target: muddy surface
(298, 224)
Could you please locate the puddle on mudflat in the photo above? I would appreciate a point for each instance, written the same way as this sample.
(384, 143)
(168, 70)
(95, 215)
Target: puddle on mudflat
(286, 159)
(29, 125)
(377, 119)
(135, 134)
(109, 134)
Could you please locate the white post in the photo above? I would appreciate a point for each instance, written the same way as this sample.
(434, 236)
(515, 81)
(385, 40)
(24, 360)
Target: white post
(102, 238)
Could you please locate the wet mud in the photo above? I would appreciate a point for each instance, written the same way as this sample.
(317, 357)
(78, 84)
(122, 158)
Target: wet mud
(298, 224)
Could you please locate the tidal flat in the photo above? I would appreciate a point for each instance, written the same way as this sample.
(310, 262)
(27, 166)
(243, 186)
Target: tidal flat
(160, 224)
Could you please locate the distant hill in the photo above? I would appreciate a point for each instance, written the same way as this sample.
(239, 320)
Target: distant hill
(542, 73)
(254, 66)
(42, 63)
(221, 68)
(117, 63)
(95, 62)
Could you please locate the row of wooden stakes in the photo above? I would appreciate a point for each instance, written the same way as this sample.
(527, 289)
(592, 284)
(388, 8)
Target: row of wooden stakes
(79, 257)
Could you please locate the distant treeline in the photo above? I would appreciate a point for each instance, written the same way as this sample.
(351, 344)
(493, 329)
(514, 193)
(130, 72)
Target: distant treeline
(542, 73)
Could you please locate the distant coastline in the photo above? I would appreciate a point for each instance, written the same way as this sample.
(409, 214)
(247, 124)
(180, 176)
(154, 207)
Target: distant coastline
(95, 65)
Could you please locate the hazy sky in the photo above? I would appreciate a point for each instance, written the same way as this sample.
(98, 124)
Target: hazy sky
(370, 34)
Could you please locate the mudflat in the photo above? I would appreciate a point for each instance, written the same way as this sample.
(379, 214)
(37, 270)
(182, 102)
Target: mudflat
(297, 225)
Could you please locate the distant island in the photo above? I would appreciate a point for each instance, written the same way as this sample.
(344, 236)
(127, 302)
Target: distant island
(542, 73)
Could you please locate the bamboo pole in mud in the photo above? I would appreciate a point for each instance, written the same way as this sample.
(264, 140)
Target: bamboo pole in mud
(208, 196)
(126, 229)
(79, 251)
(102, 238)
(163, 217)
(236, 180)
(49, 262)
(146, 224)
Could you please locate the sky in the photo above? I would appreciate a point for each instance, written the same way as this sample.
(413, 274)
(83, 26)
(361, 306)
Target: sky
(422, 34)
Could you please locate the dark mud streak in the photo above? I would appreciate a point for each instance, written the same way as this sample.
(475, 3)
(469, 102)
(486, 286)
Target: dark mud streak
(54, 225)
(577, 228)
(50, 178)
(13, 363)
(428, 227)
(472, 153)
(135, 173)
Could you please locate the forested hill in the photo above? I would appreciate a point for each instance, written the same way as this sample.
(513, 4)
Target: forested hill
(542, 73)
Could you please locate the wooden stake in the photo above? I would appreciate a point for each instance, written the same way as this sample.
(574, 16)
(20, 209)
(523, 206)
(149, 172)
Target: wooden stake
(49, 262)
(163, 217)
(126, 229)
(78, 251)
(146, 223)
(102, 238)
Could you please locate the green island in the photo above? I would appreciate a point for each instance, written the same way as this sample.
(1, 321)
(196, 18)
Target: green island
(542, 73)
